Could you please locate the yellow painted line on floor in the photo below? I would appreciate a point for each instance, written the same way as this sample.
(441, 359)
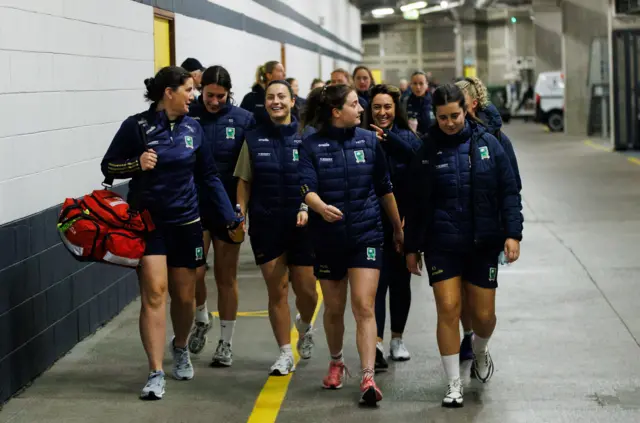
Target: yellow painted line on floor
(268, 404)
(597, 146)
(260, 313)
(634, 160)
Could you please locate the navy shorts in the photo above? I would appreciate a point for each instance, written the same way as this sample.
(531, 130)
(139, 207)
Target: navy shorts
(479, 268)
(182, 245)
(335, 265)
(217, 229)
(295, 243)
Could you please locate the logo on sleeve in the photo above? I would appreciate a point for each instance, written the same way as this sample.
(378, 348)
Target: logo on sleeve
(231, 133)
(188, 141)
(296, 155)
(484, 153)
(359, 155)
(371, 254)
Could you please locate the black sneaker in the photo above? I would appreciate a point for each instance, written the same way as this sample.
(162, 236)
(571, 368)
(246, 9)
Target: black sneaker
(381, 362)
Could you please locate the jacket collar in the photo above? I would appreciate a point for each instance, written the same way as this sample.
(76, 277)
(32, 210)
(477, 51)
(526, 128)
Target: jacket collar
(160, 117)
(340, 134)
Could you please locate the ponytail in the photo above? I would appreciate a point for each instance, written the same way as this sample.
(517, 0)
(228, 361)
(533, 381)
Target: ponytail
(476, 90)
(320, 104)
(168, 77)
(263, 70)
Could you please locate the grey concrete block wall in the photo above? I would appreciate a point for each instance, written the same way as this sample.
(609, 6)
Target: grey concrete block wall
(48, 300)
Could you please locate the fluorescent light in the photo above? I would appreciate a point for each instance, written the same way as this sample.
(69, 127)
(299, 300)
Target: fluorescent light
(411, 15)
(444, 4)
(382, 12)
(414, 6)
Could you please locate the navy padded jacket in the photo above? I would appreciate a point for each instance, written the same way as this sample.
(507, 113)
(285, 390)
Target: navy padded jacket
(275, 187)
(491, 119)
(400, 148)
(495, 203)
(419, 108)
(169, 190)
(224, 135)
(254, 103)
(347, 168)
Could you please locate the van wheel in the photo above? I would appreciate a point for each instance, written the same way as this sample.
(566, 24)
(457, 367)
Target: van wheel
(555, 121)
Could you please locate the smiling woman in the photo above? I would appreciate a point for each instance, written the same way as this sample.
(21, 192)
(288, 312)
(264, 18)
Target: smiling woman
(269, 186)
(161, 151)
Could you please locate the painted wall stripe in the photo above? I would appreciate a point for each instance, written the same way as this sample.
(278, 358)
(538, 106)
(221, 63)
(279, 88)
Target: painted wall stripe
(214, 13)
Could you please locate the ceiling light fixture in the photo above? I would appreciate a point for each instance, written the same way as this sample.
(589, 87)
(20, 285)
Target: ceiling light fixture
(413, 6)
(378, 13)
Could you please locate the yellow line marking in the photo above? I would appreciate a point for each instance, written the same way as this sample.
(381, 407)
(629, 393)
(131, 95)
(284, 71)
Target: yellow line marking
(634, 160)
(597, 146)
(268, 404)
(261, 313)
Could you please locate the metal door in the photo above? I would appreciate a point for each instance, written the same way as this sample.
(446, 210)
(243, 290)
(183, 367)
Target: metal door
(626, 89)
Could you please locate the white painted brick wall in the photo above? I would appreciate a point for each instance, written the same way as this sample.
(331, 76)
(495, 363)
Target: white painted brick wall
(70, 72)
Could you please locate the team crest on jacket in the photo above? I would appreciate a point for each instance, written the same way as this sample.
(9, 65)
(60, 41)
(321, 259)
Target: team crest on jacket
(359, 155)
(484, 152)
(296, 155)
(231, 133)
(188, 142)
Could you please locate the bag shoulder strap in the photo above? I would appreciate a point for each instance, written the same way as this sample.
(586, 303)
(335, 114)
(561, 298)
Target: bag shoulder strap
(143, 127)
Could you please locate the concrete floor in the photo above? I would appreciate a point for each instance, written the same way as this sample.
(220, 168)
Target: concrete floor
(566, 348)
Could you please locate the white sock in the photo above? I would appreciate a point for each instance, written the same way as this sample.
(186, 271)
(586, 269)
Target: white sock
(202, 314)
(226, 330)
(451, 364)
(302, 327)
(479, 345)
(286, 349)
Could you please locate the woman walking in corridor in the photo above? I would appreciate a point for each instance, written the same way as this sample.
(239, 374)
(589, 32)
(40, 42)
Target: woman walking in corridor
(162, 151)
(467, 211)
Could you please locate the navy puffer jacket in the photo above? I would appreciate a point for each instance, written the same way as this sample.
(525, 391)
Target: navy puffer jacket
(254, 103)
(275, 185)
(347, 168)
(419, 108)
(224, 134)
(440, 188)
(400, 148)
(490, 117)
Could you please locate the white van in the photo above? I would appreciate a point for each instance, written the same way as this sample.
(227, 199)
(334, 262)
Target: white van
(549, 93)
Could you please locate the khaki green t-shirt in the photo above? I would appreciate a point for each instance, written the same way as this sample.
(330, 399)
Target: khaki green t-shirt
(243, 165)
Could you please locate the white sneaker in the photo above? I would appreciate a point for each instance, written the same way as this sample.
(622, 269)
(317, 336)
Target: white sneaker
(154, 389)
(453, 397)
(198, 336)
(305, 342)
(398, 351)
(182, 367)
(482, 367)
(223, 356)
(283, 365)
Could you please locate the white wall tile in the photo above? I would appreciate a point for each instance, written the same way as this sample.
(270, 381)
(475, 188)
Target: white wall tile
(50, 7)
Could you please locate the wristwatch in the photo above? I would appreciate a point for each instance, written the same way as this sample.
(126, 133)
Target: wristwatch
(303, 207)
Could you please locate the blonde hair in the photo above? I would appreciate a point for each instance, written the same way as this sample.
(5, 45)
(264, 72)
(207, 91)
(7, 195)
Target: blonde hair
(263, 70)
(476, 90)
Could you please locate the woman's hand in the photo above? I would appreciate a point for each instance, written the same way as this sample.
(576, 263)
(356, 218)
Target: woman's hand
(303, 218)
(398, 240)
(512, 249)
(380, 134)
(414, 263)
(148, 160)
(331, 214)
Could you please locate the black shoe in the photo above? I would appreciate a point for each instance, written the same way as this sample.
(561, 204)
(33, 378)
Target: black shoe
(381, 362)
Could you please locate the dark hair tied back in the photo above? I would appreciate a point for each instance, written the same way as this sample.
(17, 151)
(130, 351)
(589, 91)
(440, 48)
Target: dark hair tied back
(320, 104)
(448, 93)
(281, 82)
(169, 77)
(219, 76)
